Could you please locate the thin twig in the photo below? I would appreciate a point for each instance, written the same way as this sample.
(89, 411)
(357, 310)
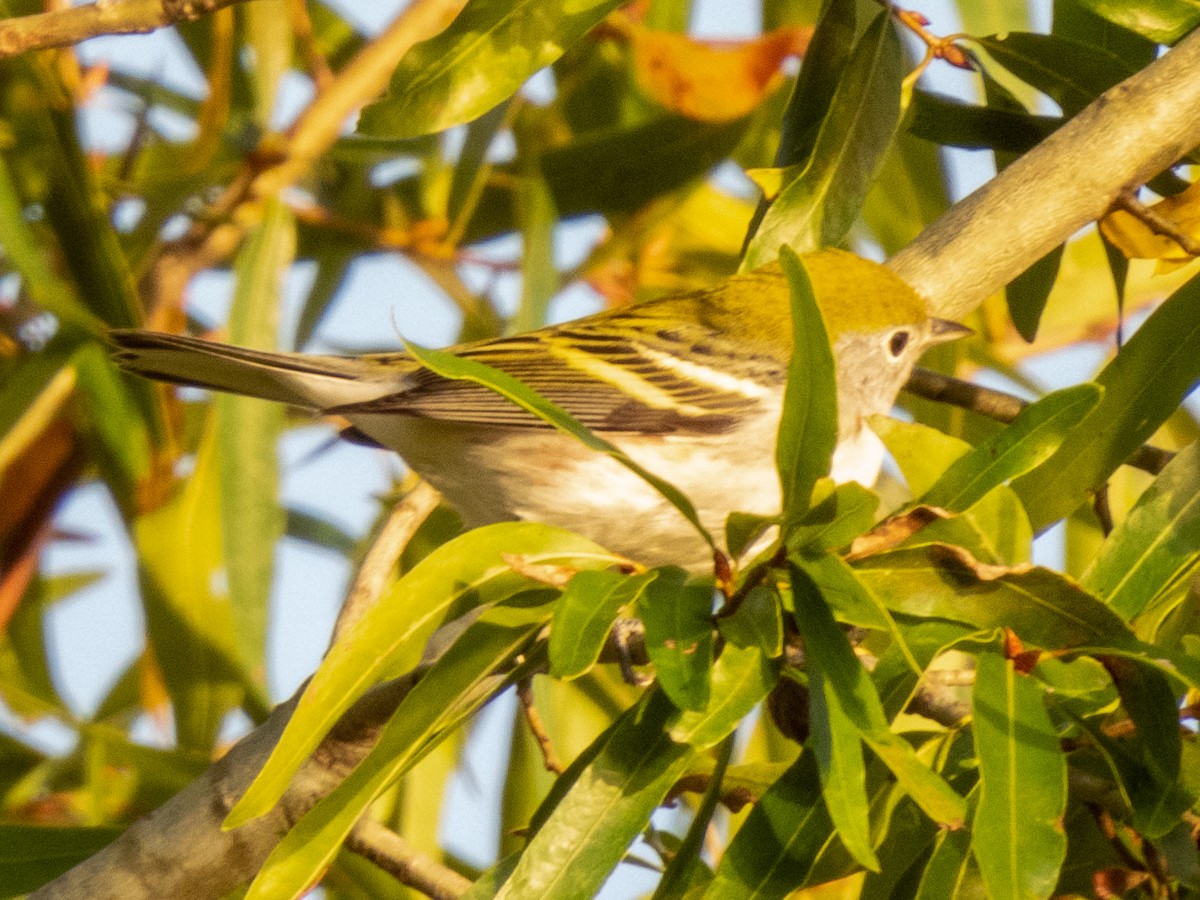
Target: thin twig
(63, 27)
(1157, 222)
(302, 28)
(264, 175)
(376, 569)
(404, 862)
(536, 727)
(1004, 408)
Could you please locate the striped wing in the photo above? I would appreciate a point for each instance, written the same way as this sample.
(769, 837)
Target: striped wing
(611, 378)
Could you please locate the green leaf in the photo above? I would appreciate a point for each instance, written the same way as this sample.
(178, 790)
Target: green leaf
(248, 429)
(607, 807)
(828, 54)
(740, 680)
(188, 616)
(539, 276)
(1071, 73)
(1027, 293)
(319, 531)
(1155, 543)
(951, 873)
(775, 848)
(838, 748)
(584, 614)
(113, 415)
(757, 622)
(484, 56)
(994, 530)
(1157, 750)
(31, 855)
(1162, 21)
(808, 429)
(45, 285)
(854, 601)
(1018, 836)
(827, 649)
(820, 203)
(686, 863)
(1043, 607)
(620, 171)
(447, 365)
(834, 520)
(389, 639)
(679, 636)
(459, 683)
(1030, 439)
(953, 123)
(1143, 386)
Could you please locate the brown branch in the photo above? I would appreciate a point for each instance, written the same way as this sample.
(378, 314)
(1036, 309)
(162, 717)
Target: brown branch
(63, 27)
(534, 721)
(376, 569)
(404, 862)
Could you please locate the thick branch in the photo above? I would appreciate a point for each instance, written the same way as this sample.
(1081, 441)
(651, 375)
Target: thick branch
(1122, 140)
(63, 27)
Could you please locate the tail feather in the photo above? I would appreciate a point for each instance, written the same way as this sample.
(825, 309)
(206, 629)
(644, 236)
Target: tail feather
(299, 379)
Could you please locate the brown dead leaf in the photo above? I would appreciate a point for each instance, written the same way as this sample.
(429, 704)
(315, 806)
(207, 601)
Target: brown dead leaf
(713, 81)
(893, 531)
(962, 559)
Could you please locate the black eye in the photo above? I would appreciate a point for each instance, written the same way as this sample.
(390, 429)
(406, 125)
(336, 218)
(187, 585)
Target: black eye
(897, 342)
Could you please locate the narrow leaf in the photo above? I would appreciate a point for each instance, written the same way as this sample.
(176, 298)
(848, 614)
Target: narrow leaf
(817, 208)
(774, 850)
(1018, 837)
(389, 639)
(1030, 439)
(252, 521)
(607, 807)
(1155, 543)
(485, 55)
(838, 748)
(827, 649)
(1143, 386)
(808, 429)
(679, 636)
(459, 683)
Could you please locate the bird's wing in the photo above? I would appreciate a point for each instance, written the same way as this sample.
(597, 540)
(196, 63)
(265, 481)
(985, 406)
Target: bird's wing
(610, 378)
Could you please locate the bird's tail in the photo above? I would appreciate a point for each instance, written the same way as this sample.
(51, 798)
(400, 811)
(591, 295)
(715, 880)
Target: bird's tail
(314, 382)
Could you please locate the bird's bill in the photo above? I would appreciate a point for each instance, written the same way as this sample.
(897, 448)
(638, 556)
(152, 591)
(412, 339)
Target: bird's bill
(944, 330)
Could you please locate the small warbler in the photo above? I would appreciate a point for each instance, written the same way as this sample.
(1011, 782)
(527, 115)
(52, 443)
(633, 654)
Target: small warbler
(690, 386)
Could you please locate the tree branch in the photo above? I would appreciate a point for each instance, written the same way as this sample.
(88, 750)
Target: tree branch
(404, 862)
(63, 27)
(1127, 136)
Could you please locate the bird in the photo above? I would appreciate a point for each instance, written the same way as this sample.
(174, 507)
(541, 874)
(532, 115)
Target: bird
(689, 385)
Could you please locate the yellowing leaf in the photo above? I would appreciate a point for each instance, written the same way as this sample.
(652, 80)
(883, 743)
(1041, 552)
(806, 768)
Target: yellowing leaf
(1137, 240)
(713, 81)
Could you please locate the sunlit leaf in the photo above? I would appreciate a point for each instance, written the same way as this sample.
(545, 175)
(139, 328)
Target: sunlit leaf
(820, 203)
(389, 638)
(1017, 832)
(484, 55)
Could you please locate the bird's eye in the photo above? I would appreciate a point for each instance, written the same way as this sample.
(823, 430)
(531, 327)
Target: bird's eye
(897, 342)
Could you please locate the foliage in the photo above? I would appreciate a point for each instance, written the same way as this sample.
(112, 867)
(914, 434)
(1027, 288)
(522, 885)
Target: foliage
(1073, 762)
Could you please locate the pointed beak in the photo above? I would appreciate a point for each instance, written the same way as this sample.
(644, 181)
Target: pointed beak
(943, 330)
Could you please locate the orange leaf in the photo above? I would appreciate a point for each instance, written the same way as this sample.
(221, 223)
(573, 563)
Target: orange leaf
(709, 80)
(1137, 240)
